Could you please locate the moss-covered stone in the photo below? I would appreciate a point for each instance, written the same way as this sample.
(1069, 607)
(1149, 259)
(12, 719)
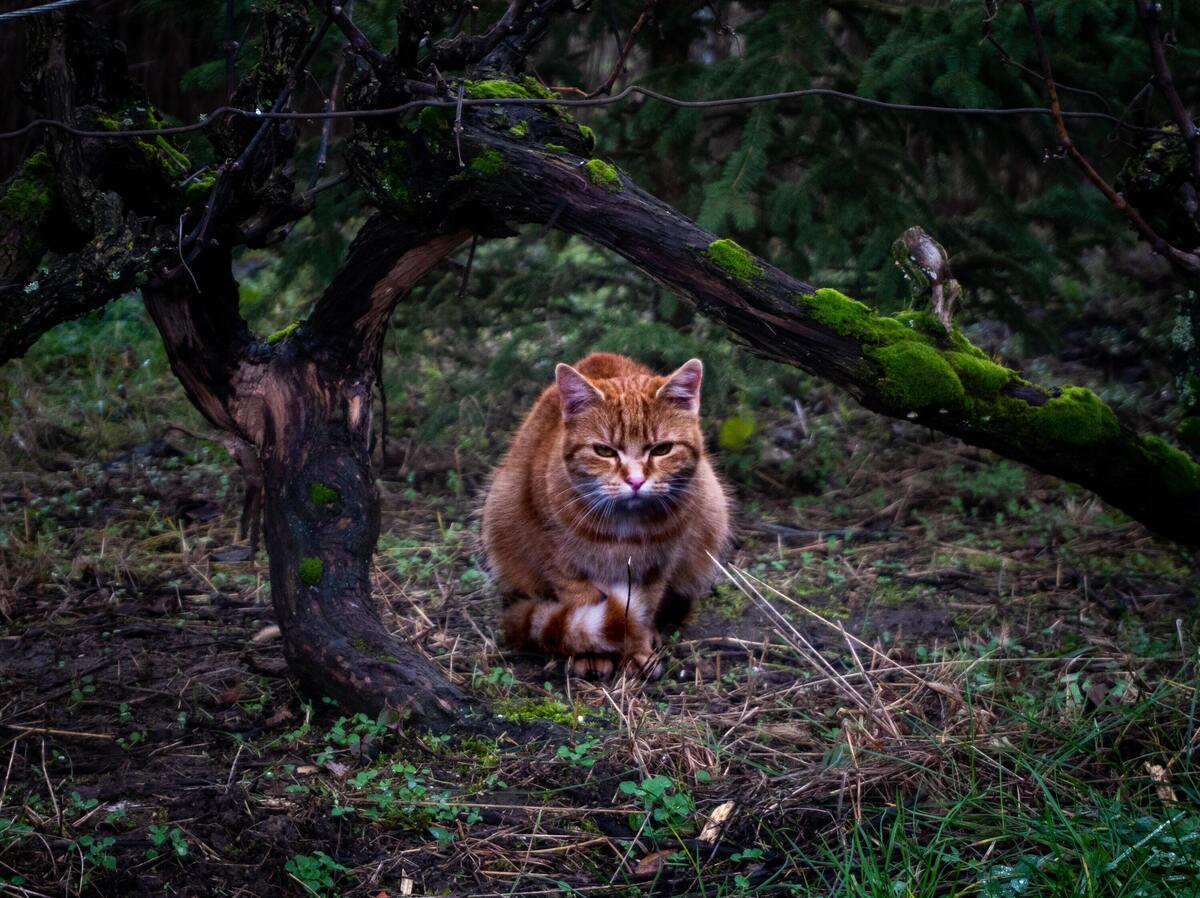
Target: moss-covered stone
(488, 163)
(1189, 433)
(1180, 474)
(917, 376)
(603, 174)
(283, 333)
(311, 570)
(321, 495)
(734, 260)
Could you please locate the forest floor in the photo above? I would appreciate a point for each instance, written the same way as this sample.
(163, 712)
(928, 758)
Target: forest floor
(946, 676)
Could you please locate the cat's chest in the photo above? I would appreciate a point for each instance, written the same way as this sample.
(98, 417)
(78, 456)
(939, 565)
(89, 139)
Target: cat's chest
(613, 567)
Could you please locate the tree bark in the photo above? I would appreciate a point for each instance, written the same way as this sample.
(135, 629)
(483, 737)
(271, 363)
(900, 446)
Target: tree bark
(304, 404)
(321, 525)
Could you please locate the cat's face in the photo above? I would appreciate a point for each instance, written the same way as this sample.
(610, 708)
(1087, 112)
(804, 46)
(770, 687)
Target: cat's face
(631, 443)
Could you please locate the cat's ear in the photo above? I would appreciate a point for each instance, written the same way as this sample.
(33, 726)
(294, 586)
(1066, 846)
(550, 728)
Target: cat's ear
(575, 392)
(682, 388)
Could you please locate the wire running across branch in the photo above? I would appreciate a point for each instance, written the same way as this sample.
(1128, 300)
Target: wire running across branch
(211, 118)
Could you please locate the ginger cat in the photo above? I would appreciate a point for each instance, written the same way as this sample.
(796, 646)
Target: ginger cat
(600, 520)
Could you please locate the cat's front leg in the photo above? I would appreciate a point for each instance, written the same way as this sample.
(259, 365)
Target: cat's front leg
(633, 608)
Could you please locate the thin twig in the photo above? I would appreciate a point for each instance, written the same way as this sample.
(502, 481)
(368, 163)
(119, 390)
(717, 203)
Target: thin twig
(182, 259)
(1189, 263)
(340, 14)
(231, 47)
(226, 174)
(458, 125)
(607, 86)
(37, 10)
(1149, 13)
(466, 278)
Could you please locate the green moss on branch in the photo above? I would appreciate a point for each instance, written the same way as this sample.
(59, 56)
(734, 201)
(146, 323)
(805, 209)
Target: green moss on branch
(499, 89)
(198, 189)
(917, 376)
(603, 174)
(311, 570)
(322, 495)
(488, 163)
(589, 137)
(26, 198)
(283, 333)
(923, 367)
(1180, 473)
(735, 260)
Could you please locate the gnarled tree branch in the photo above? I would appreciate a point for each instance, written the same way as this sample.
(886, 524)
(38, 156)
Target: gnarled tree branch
(907, 367)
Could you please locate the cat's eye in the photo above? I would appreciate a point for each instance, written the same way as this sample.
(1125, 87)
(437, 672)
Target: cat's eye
(604, 451)
(661, 448)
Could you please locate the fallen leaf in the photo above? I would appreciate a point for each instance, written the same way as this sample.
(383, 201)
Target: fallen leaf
(232, 695)
(338, 770)
(649, 865)
(1162, 782)
(267, 633)
(716, 821)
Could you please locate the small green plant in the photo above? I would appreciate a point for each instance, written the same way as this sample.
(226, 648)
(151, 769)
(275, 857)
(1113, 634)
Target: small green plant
(83, 690)
(161, 835)
(668, 808)
(96, 854)
(317, 872)
(577, 754)
(350, 733)
(399, 795)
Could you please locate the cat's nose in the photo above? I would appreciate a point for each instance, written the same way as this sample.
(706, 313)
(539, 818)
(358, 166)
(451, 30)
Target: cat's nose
(635, 483)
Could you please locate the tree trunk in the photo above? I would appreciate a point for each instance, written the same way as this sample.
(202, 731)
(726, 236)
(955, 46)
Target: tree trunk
(321, 525)
(303, 403)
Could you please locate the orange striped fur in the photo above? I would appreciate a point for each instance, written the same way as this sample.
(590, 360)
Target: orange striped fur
(601, 519)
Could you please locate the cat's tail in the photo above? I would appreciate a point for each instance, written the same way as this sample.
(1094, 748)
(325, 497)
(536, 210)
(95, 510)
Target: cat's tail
(593, 635)
(566, 628)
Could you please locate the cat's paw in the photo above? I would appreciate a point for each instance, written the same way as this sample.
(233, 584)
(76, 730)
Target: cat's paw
(591, 667)
(646, 664)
